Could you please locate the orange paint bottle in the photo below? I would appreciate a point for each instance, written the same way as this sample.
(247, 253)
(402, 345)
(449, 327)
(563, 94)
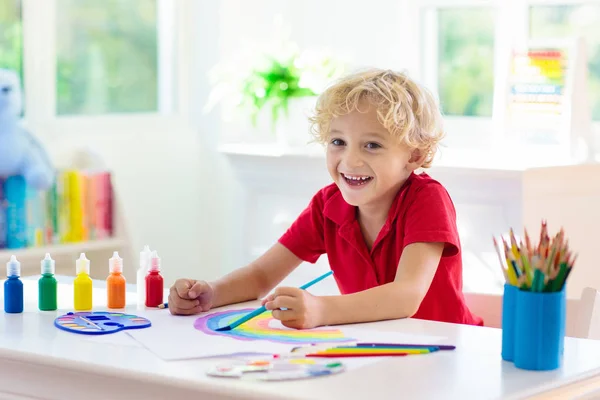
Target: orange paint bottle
(115, 283)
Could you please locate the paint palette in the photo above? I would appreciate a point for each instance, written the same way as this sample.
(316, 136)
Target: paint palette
(99, 322)
(280, 369)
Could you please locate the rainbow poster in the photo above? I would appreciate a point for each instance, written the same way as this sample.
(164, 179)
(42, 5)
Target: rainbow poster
(263, 327)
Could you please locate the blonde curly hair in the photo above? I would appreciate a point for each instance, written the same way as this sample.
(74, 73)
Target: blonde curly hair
(407, 110)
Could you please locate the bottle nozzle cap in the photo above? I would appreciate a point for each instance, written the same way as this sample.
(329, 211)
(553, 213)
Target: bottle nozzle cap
(145, 258)
(154, 262)
(48, 265)
(13, 267)
(82, 265)
(115, 264)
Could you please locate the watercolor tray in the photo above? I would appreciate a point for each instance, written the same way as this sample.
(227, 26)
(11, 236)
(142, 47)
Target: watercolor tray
(99, 322)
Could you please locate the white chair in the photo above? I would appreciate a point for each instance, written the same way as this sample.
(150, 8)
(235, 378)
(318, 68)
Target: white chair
(486, 306)
(579, 318)
(588, 315)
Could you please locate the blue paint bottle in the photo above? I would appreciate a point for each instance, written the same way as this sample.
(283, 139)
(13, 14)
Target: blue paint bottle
(13, 287)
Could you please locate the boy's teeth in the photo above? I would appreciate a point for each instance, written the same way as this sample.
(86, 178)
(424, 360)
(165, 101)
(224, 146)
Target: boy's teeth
(357, 178)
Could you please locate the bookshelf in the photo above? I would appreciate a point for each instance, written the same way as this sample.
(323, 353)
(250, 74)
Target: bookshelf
(98, 250)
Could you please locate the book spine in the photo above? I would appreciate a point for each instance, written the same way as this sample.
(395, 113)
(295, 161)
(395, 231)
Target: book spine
(3, 228)
(74, 206)
(16, 221)
(104, 205)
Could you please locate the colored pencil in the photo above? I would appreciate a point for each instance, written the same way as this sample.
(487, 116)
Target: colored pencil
(262, 309)
(340, 350)
(502, 264)
(541, 267)
(164, 305)
(440, 346)
(341, 355)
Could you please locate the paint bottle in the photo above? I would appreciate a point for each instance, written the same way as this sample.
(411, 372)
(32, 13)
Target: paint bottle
(115, 283)
(82, 286)
(13, 287)
(140, 284)
(154, 282)
(47, 293)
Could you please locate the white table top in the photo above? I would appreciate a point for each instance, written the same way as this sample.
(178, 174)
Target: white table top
(35, 356)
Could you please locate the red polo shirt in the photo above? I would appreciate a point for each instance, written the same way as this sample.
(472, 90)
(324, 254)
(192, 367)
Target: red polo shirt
(421, 212)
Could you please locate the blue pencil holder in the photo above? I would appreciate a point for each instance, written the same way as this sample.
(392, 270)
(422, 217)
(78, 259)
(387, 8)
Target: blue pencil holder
(539, 330)
(509, 306)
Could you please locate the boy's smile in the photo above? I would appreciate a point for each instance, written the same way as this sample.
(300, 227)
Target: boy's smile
(356, 181)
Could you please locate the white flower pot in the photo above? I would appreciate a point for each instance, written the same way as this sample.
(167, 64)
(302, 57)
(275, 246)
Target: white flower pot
(293, 130)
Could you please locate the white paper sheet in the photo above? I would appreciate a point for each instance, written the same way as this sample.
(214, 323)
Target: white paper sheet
(115, 339)
(175, 338)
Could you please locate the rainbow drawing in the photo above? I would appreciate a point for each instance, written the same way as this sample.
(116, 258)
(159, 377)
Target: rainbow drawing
(258, 328)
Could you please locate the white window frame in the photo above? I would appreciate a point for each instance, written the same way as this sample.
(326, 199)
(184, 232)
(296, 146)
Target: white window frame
(39, 71)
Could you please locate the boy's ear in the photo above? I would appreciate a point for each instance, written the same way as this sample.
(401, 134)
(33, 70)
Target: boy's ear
(417, 157)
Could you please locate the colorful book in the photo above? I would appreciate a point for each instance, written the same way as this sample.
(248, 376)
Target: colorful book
(3, 229)
(78, 207)
(16, 212)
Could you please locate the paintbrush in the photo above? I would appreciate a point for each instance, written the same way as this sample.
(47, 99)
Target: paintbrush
(262, 309)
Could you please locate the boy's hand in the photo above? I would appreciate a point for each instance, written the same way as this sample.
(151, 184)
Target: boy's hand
(301, 310)
(188, 296)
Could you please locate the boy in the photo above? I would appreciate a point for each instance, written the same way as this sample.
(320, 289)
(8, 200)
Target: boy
(390, 235)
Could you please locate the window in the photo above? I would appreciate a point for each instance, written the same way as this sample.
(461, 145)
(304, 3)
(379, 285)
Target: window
(107, 57)
(11, 39)
(559, 21)
(465, 72)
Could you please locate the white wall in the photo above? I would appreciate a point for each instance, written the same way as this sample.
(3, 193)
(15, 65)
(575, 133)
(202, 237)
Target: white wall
(362, 36)
(173, 186)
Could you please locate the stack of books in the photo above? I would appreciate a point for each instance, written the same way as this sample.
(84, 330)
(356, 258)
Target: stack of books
(77, 208)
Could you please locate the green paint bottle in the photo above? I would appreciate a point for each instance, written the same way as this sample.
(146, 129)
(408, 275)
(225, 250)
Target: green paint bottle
(47, 286)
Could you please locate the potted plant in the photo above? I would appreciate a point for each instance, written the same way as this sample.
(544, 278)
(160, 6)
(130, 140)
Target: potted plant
(282, 84)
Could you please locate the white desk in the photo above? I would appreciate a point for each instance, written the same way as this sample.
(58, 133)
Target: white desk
(38, 361)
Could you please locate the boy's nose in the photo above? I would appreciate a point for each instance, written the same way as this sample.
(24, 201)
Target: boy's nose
(353, 158)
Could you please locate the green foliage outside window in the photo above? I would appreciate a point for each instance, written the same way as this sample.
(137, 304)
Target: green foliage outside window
(11, 37)
(107, 56)
(466, 61)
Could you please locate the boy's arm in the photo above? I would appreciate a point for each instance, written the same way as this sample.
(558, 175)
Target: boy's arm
(256, 279)
(399, 299)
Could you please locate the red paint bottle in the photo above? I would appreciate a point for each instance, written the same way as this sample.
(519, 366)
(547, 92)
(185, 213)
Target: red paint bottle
(154, 282)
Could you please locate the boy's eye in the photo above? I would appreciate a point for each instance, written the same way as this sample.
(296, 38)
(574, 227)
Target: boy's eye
(337, 142)
(373, 145)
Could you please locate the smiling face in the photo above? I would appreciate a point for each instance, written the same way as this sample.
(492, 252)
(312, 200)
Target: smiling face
(365, 161)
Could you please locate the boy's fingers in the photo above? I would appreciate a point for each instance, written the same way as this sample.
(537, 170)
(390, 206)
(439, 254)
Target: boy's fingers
(281, 302)
(284, 315)
(286, 291)
(197, 289)
(266, 299)
(182, 287)
(186, 304)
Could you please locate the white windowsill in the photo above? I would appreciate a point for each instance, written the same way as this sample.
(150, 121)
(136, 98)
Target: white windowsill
(494, 158)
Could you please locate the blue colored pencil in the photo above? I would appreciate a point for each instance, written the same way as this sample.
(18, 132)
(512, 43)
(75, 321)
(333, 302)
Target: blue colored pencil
(262, 309)
(165, 305)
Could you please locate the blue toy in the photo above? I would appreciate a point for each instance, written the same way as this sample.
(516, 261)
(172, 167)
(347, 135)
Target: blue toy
(99, 322)
(20, 152)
